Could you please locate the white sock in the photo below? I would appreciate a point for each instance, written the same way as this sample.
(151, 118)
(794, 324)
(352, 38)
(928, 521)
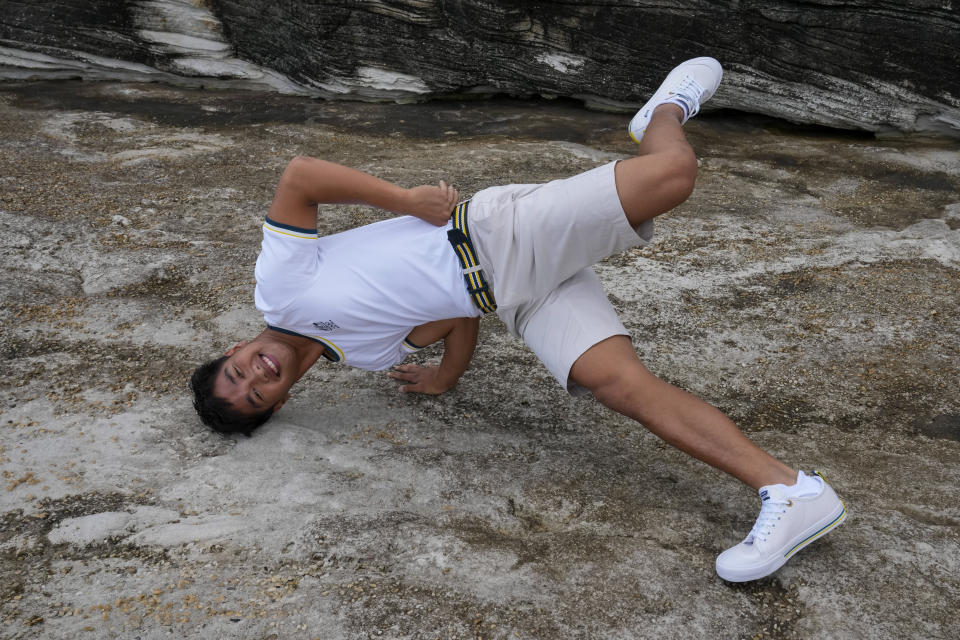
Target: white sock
(805, 486)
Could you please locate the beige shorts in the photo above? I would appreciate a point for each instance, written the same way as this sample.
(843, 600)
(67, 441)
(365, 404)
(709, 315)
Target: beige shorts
(536, 244)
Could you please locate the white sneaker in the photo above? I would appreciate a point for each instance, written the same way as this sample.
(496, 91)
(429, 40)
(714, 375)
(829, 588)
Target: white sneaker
(787, 523)
(689, 85)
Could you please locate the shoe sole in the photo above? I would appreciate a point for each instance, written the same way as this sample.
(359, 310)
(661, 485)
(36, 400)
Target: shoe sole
(779, 559)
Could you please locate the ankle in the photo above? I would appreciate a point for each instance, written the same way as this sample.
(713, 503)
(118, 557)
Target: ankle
(782, 474)
(668, 109)
(793, 479)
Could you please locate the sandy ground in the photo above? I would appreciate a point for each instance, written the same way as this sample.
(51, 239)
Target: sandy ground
(809, 288)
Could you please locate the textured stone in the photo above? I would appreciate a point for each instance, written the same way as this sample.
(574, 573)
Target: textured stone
(876, 66)
(809, 288)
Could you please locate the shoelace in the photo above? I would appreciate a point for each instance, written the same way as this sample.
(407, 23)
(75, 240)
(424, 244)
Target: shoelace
(771, 510)
(690, 91)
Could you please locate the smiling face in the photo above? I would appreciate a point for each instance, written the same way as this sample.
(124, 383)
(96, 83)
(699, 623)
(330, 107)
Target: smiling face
(257, 375)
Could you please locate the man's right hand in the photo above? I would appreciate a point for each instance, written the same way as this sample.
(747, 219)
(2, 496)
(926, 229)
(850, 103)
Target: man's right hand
(432, 204)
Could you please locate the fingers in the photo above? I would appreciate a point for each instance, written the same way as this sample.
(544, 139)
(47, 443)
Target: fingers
(405, 372)
(406, 377)
(451, 194)
(418, 377)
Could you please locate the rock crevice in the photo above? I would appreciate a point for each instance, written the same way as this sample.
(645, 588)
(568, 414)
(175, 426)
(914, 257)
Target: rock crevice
(875, 66)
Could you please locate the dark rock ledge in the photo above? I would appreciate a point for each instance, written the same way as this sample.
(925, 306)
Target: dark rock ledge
(880, 66)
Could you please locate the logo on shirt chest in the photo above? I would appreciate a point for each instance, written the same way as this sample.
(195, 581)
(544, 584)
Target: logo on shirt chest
(329, 325)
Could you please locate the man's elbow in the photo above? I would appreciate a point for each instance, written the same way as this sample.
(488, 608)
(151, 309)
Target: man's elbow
(296, 176)
(297, 167)
(468, 327)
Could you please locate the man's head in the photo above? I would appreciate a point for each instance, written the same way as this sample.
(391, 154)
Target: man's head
(239, 391)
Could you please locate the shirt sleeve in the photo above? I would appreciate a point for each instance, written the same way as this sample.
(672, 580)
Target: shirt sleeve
(399, 354)
(288, 260)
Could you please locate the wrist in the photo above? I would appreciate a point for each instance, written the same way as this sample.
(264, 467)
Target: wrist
(445, 380)
(403, 200)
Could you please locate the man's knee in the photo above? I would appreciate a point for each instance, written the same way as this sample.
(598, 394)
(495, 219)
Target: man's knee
(654, 184)
(613, 392)
(611, 371)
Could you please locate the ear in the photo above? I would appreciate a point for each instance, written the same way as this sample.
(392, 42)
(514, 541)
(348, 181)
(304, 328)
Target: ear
(229, 352)
(279, 404)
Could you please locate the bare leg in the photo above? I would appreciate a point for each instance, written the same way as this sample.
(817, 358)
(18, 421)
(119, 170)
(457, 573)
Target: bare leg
(657, 180)
(617, 378)
(662, 176)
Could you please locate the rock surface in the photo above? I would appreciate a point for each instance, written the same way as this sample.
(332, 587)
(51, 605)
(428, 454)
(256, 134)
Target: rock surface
(809, 288)
(876, 66)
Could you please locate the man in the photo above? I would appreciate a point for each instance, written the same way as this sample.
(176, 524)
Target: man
(370, 296)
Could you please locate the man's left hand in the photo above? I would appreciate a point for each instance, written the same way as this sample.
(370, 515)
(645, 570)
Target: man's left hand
(422, 379)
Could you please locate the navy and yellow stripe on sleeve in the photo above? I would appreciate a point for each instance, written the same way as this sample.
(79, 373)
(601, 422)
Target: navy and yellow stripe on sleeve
(409, 346)
(289, 230)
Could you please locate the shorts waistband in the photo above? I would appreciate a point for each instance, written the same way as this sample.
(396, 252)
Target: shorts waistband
(459, 238)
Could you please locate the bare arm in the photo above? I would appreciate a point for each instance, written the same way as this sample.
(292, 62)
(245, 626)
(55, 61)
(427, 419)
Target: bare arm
(459, 341)
(307, 182)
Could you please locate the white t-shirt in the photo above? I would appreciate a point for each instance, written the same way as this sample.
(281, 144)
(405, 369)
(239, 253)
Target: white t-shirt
(360, 292)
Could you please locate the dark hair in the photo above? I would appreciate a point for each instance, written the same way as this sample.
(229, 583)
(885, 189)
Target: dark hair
(214, 411)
